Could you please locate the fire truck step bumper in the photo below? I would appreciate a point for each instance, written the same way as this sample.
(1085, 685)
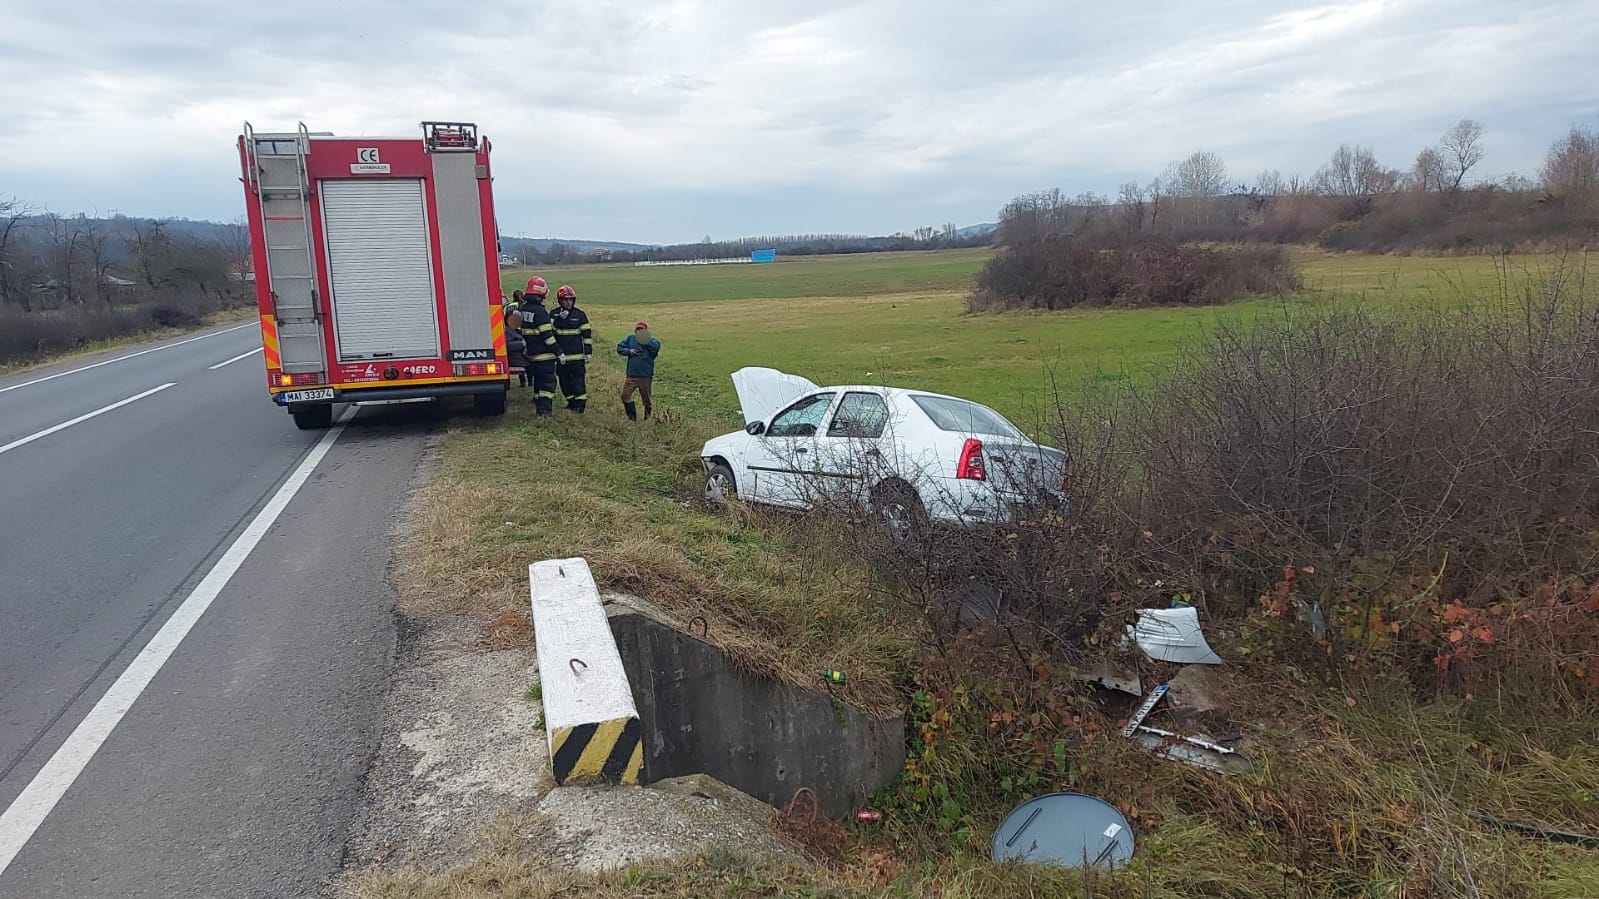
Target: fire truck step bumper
(419, 391)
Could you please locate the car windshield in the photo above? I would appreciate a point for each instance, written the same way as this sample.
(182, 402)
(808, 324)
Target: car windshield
(965, 417)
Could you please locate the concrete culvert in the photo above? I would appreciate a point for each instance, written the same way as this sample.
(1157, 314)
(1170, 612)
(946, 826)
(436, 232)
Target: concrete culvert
(700, 714)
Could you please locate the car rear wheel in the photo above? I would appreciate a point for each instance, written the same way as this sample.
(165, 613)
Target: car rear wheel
(719, 485)
(313, 418)
(900, 511)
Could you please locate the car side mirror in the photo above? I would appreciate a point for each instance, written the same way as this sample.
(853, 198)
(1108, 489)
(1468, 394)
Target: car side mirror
(755, 428)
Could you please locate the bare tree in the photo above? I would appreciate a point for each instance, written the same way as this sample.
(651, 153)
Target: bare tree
(13, 286)
(1355, 178)
(235, 239)
(1462, 149)
(1130, 201)
(1158, 191)
(1033, 215)
(1571, 168)
(1428, 172)
(97, 249)
(67, 253)
(1202, 175)
(1198, 180)
(152, 249)
(1270, 184)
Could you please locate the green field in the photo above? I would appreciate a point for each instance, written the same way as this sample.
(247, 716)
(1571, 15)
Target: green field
(899, 319)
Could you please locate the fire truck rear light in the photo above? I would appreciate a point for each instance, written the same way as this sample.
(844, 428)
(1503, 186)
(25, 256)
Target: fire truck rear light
(300, 379)
(284, 380)
(476, 368)
(494, 368)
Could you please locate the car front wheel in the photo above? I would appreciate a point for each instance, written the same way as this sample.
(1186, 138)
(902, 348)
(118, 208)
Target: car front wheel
(719, 485)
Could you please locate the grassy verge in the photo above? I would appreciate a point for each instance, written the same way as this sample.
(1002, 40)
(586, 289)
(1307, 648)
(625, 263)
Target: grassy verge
(223, 317)
(777, 595)
(1356, 791)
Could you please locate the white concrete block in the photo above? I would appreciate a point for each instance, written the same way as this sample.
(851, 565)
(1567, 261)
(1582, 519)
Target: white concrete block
(589, 716)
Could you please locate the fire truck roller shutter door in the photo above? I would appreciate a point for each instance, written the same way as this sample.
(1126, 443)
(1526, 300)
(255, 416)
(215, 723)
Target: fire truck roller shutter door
(380, 267)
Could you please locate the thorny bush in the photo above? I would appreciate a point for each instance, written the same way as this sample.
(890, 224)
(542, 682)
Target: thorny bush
(1054, 271)
(1347, 489)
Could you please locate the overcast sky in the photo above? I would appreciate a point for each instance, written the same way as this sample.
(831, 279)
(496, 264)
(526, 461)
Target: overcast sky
(666, 121)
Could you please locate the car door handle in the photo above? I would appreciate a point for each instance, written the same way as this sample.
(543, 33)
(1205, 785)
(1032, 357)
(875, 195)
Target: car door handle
(801, 449)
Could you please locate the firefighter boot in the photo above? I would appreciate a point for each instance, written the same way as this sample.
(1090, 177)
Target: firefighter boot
(647, 409)
(631, 410)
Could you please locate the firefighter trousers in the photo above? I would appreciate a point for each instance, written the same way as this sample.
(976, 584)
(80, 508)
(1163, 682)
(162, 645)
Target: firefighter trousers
(574, 384)
(543, 375)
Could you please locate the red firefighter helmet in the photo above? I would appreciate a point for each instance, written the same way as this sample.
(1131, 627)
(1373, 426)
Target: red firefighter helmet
(537, 287)
(565, 292)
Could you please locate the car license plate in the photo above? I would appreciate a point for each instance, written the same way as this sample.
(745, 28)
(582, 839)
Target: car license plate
(306, 396)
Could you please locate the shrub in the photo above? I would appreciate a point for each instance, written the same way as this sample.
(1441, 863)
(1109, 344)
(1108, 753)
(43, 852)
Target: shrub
(1057, 272)
(27, 336)
(1432, 480)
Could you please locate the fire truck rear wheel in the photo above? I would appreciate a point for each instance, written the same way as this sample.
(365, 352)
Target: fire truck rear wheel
(313, 418)
(489, 403)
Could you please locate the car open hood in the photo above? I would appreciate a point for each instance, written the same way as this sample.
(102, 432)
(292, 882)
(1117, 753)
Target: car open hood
(762, 391)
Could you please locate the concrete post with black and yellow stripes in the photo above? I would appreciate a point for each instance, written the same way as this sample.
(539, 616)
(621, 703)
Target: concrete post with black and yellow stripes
(589, 715)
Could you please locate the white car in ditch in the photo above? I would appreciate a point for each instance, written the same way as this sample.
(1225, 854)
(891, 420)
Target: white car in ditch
(910, 456)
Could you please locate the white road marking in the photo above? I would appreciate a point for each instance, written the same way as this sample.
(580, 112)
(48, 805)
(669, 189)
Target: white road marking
(233, 360)
(154, 349)
(82, 418)
(39, 797)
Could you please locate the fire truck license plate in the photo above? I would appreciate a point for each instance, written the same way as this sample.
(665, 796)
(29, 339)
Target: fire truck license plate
(306, 396)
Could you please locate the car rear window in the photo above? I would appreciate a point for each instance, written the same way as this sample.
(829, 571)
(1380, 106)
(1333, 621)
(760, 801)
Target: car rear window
(965, 417)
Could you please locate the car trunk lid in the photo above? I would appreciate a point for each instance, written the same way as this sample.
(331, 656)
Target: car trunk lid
(1023, 469)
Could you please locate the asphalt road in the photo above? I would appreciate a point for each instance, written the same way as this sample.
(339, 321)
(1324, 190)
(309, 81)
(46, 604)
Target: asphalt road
(237, 768)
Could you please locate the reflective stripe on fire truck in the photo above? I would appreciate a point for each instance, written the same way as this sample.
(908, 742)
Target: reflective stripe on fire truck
(497, 329)
(269, 342)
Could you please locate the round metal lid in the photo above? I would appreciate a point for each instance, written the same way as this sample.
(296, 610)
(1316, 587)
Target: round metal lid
(1070, 829)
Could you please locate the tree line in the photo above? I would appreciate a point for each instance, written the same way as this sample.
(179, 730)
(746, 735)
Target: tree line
(1351, 202)
(70, 280)
(946, 236)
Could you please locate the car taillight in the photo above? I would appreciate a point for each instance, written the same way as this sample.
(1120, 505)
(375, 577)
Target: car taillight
(299, 379)
(971, 466)
(477, 368)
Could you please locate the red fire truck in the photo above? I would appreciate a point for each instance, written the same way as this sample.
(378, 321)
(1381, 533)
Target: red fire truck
(377, 268)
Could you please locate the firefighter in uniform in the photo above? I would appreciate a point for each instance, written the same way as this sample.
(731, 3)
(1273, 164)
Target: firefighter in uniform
(515, 346)
(574, 337)
(538, 329)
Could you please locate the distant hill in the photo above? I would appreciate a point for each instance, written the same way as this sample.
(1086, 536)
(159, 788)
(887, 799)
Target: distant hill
(513, 245)
(119, 228)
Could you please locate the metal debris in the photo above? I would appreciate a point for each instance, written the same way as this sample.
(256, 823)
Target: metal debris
(1173, 635)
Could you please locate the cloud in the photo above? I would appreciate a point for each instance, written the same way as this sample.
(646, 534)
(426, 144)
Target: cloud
(674, 119)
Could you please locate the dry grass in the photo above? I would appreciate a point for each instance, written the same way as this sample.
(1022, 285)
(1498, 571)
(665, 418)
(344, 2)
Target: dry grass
(518, 861)
(779, 597)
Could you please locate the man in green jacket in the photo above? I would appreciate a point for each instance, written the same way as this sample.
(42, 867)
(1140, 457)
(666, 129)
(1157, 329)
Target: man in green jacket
(640, 349)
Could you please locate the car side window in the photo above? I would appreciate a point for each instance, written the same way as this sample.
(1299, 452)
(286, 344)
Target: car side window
(801, 419)
(859, 416)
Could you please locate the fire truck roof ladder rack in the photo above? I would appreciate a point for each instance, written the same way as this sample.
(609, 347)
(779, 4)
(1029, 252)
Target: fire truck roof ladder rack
(277, 171)
(449, 137)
